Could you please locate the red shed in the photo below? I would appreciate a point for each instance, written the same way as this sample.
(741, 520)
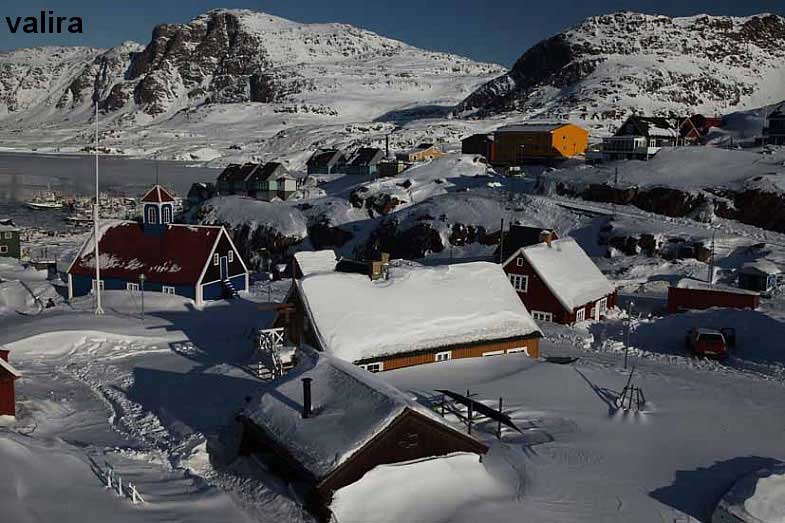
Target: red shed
(8, 375)
(695, 294)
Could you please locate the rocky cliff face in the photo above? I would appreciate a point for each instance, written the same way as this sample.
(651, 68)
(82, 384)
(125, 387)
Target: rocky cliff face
(611, 65)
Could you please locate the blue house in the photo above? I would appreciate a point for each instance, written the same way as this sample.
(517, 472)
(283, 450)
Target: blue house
(195, 261)
(364, 161)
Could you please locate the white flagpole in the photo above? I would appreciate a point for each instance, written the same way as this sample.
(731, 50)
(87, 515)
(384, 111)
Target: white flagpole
(98, 309)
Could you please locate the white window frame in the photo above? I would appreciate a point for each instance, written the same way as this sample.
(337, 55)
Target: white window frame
(542, 316)
(9, 235)
(443, 356)
(102, 285)
(517, 349)
(602, 305)
(377, 366)
(492, 353)
(230, 256)
(168, 289)
(580, 315)
(520, 282)
(131, 286)
(216, 259)
(151, 214)
(519, 261)
(3, 249)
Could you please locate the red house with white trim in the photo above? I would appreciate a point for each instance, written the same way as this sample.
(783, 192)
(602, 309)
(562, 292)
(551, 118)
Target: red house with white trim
(558, 282)
(8, 375)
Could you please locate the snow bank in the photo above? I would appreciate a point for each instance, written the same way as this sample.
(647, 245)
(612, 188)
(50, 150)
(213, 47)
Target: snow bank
(417, 308)
(236, 211)
(425, 490)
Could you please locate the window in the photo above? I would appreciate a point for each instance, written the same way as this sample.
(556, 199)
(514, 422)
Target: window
(167, 289)
(580, 315)
(167, 214)
(132, 286)
(215, 259)
(373, 367)
(8, 235)
(517, 349)
(3, 249)
(492, 353)
(101, 285)
(519, 282)
(542, 316)
(151, 214)
(602, 305)
(231, 256)
(443, 356)
(519, 261)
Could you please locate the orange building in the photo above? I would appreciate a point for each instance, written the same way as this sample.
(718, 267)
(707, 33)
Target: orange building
(526, 143)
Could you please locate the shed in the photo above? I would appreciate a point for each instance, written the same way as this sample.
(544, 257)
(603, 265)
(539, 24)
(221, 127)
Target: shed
(8, 375)
(760, 275)
(355, 422)
(695, 294)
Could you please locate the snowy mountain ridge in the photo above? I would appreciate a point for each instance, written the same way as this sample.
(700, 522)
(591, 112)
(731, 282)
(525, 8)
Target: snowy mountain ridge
(611, 65)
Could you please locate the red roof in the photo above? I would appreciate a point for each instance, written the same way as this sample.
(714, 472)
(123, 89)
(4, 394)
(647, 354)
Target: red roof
(158, 195)
(176, 255)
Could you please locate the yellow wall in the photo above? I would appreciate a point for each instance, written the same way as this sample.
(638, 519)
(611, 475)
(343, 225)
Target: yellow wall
(512, 147)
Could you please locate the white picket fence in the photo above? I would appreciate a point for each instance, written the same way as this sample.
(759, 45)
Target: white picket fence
(114, 482)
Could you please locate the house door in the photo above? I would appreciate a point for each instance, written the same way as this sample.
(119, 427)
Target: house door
(224, 267)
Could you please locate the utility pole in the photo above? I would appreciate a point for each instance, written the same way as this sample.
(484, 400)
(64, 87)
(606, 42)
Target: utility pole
(629, 328)
(142, 279)
(711, 258)
(98, 309)
(501, 242)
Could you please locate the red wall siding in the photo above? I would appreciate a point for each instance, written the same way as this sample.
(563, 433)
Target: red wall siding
(679, 299)
(7, 397)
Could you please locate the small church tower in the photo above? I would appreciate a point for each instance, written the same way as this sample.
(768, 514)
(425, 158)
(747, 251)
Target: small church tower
(157, 207)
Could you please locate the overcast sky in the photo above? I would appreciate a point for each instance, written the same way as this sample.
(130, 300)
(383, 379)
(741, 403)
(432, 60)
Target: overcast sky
(489, 31)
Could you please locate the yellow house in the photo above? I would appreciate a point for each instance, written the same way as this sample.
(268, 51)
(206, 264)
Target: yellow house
(424, 151)
(522, 143)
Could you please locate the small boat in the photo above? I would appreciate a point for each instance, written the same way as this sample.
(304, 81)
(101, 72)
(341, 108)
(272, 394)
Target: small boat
(44, 205)
(78, 220)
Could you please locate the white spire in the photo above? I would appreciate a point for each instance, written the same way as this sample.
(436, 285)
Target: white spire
(98, 309)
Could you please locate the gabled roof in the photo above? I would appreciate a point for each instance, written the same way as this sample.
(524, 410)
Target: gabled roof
(649, 126)
(234, 172)
(8, 369)
(311, 262)
(366, 156)
(531, 128)
(351, 407)
(265, 171)
(326, 157)
(520, 236)
(760, 267)
(176, 255)
(417, 308)
(568, 272)
(158, 195)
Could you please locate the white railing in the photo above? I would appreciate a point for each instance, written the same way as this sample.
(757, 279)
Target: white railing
(114, 482)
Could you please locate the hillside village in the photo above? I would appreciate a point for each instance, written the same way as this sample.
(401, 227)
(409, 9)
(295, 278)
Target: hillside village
(527, 318)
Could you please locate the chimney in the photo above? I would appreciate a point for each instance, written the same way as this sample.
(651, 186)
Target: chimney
(546, 236)
(4, 355)
(306, 397)
(376, 270)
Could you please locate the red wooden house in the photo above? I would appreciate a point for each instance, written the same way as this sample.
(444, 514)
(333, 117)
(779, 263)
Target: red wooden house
(557, 281)
(8, 375)
(695, 294)
(694, 129)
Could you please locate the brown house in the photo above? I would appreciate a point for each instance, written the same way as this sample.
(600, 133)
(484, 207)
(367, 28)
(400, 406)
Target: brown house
(523, 143)
(402, 314)
(695, 294)
(424, 151)
(328, 423)
(557, 281)
(481, 144)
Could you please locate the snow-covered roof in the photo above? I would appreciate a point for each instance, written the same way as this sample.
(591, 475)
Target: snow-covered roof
(530, 128)
(311, 262)
(568, 272)
(350, 407)
(417, 308)
(762, 266)
(4, 365)
(758, 497)
(698, 285)
(8, 228)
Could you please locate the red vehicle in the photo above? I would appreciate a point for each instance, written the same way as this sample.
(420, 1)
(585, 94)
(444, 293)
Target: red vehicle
(711, 343)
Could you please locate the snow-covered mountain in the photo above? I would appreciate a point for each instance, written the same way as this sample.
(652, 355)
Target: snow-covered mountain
(224, 68)
(609, 66)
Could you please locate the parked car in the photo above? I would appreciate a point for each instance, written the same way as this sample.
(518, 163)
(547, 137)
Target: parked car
(711, 343)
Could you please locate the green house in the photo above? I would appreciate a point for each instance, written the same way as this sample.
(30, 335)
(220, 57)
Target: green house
(10, 245)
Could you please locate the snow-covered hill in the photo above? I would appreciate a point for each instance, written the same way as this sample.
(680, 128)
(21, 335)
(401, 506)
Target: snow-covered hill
(228, 77)
(609, 66)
